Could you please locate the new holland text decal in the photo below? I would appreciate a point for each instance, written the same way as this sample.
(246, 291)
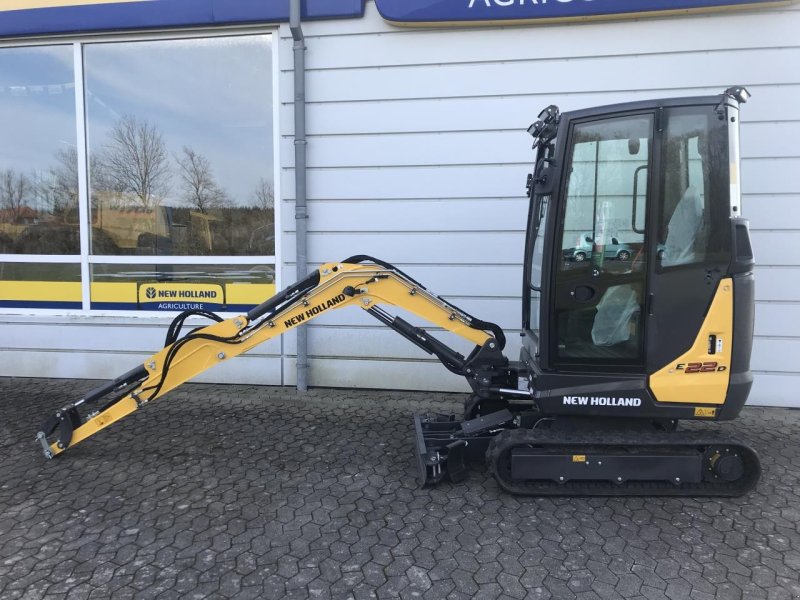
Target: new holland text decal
(477, 11)
(601, 401)
(314, 311)
(181, 296)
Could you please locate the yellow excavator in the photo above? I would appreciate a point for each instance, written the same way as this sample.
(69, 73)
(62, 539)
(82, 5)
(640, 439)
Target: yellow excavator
(637, 312)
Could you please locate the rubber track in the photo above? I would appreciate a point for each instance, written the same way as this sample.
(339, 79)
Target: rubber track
(674, 443)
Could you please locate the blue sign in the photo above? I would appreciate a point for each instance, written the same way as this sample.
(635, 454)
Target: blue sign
(414, 12)
(37, 17)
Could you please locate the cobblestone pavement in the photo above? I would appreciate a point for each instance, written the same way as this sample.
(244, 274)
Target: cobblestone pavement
(247, 492)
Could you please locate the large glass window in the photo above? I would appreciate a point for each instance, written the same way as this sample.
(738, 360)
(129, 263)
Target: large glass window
(180, 146)
(695, 171)
(38, 179)
(601, 277)
(38, 152)
(178, 167)
(604, 220)
(539, 227)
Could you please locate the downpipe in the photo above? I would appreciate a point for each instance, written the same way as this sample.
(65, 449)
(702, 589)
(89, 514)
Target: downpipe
(300, 177)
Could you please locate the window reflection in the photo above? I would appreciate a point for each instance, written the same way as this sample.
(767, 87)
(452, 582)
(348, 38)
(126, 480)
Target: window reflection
(40, 285)
(607, 190)
(180, 137)
(695, 170)
(38, 152)
(181, 287)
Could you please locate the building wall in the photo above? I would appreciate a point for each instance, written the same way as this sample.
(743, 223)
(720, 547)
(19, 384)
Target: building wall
(418, 155)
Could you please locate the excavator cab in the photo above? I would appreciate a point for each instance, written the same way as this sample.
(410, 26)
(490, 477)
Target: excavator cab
(638, 265)
(637, 313)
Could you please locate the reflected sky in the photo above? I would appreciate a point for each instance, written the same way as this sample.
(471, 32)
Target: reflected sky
(213, 95)
(37, 106)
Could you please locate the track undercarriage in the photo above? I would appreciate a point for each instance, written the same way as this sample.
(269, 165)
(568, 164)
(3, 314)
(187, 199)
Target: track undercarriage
(531, 454)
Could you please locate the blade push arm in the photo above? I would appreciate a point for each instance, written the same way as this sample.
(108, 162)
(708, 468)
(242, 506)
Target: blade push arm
(361, 281)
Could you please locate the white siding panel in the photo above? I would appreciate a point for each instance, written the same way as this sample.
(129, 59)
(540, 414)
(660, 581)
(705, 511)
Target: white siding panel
(773, 389)
(257, 370)
(502, 214)
(777, 284)
(769, 139)
(761, 66)
(462, 181)
(778, 320)
(493, 111)
(774, 355)
(380, 374)
(141, 338)
(461, 281)
(772, 212)
(388, 47)
(378, 150)
(771, 176)
(777, 248)
(380, 343)
(504, 248)
(370, 343)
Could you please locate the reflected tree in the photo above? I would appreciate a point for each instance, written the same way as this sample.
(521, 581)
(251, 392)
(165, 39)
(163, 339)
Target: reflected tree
(262, 237)
(57, 188)
(64, 180)
(264, 195)
(135, 161)
(199, 186)
(15, 190)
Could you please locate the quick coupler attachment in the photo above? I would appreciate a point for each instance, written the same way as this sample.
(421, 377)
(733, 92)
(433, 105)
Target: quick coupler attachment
(444, 446)
(66, 421)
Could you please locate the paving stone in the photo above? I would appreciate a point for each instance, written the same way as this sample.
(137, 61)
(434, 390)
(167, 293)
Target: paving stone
(256, 492)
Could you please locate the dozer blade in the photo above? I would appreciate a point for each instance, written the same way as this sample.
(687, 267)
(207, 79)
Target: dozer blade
(444, 446)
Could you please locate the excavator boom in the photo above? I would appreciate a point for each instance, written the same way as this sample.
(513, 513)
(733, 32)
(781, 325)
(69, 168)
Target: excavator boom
(361, 281)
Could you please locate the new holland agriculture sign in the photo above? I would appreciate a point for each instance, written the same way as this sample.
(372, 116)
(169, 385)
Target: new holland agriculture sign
(466, 12)
(40, 17)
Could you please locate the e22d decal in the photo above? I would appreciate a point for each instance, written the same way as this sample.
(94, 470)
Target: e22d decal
(703, 367)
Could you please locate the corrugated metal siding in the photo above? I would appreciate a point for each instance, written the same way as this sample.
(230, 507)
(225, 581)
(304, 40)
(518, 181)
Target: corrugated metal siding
(106, 347)
(417, 155)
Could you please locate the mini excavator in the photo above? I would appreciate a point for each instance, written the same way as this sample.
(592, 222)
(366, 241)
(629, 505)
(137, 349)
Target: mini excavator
(637, 312)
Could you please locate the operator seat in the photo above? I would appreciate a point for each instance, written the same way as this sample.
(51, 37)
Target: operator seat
(685, 230)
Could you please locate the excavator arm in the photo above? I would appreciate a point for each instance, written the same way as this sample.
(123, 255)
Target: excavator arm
(360, 281)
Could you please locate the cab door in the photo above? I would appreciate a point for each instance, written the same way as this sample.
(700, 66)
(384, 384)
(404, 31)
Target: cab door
(601, 259)
(692, 229)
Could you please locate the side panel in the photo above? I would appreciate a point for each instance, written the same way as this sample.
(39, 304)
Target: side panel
(701, 375)
(615, 395)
